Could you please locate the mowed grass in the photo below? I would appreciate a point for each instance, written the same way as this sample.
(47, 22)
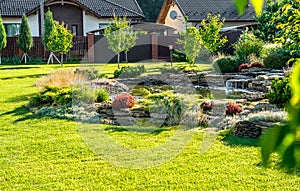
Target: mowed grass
(50, 154)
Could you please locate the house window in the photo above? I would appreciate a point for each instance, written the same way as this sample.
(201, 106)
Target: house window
(74, 30)
(103, 25)
(12, 29)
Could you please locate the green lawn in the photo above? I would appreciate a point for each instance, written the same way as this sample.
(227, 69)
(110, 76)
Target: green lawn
(50, 154)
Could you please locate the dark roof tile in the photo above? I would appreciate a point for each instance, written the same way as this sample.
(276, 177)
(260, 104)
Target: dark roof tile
(102, 8)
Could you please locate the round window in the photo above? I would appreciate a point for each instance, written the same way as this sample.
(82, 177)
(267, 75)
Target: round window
(173, 14)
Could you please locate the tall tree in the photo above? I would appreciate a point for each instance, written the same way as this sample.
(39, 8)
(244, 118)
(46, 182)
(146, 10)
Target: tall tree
(60, 40)
(25, 40)
(120, 37)
(191, 43)
(210, 33)
(48, 27)
(151, 8)
(3, 40)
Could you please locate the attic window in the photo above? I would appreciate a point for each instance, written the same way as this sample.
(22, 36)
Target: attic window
(173, 15)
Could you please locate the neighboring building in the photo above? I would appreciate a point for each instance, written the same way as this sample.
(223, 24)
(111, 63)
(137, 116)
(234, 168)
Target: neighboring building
(174, 12)
(81, 16)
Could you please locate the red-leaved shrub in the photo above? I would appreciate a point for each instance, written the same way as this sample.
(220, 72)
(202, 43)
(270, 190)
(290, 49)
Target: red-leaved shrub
(207, 105)
(256, 65)
(243, 66)
(123, 101)
(233, 109)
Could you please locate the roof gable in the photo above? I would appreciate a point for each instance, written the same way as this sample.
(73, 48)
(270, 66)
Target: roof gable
(101, 8)
(197, 10)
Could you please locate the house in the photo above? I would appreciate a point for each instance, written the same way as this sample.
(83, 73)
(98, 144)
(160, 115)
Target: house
(174, 12)
(81, 16)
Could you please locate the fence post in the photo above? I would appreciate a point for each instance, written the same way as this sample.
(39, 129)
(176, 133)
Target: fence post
(154, 45)
(90, 47)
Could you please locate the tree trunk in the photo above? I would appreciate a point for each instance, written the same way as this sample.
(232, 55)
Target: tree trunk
(126, 56)
(118, 60)
(25, 58)
(62, 59)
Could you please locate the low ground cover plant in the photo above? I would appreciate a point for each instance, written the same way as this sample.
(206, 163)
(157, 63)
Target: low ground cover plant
(129, 71)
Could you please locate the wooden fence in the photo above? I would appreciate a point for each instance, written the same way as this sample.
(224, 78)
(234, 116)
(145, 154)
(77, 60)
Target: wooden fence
(78, 50)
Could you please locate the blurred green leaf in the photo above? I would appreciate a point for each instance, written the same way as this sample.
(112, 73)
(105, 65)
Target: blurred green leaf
(258, 6)
(241, 6)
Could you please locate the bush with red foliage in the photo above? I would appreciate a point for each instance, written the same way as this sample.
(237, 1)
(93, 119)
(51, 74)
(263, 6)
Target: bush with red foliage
(242, 67)
(207, 105)
(233, 109)
(256, 65)
(123, 101)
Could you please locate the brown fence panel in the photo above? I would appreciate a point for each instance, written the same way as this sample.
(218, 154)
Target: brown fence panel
(11, 48)
(78, 50)
(164, 43)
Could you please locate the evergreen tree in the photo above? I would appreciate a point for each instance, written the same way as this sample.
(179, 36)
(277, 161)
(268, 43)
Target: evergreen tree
(151, 8)
(48, 26)
(2, 37)
(25, 41)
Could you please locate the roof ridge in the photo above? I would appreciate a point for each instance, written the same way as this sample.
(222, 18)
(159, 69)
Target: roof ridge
(118, 5)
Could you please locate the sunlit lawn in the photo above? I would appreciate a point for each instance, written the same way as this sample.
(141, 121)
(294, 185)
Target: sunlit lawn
(50, 154)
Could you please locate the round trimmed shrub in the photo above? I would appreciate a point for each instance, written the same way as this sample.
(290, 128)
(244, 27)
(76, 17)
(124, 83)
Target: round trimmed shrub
(242, 67)
(256, 65)
(123, 101)
(225, 65)
(232, 109)
(278, 59)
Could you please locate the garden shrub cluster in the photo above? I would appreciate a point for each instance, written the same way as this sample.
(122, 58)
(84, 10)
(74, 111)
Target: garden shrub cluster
(226, 64)
(169, 70)
(123, 101)
(278, 59)
(91, 74)
(169, 104)
(280, 92)
(129, 71)
(52, 96)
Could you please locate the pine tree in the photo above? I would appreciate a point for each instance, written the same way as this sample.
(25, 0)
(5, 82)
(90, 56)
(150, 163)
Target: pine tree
(25, 40)
(2, 37)
(48, 25)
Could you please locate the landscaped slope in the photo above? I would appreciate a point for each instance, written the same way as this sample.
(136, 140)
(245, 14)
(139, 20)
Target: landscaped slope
(50, 154)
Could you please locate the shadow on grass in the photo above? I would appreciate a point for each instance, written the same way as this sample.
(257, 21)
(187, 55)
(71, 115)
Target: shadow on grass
(136, 129)
(18, 68)
(20, 98)
(21, 112)
(234, 141)
(21, 77)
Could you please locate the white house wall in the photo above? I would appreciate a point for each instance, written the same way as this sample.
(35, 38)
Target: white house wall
(91, 23)
(33, 21)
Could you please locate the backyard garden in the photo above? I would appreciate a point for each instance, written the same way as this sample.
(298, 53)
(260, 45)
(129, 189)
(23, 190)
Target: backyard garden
(230, 122)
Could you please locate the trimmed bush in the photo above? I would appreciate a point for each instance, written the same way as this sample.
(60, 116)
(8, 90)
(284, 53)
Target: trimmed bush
(256, 65)
(123, 101)
(207, 105)
(233, 109)
(225, 65)
(129, 71)
(52, 96)
(280, 92)
(278, 59)
(242, 67)
(101, 95)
